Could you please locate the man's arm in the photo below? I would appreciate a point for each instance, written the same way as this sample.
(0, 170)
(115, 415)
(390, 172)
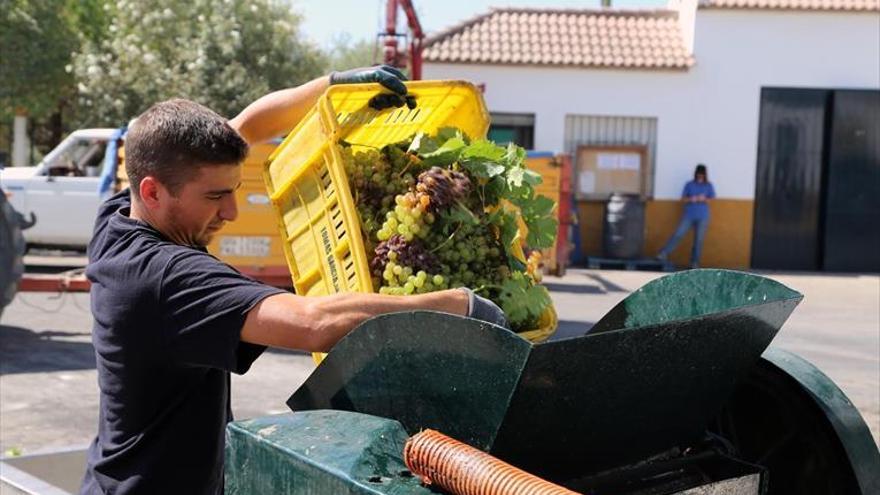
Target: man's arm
(317, 323)
(276, 114)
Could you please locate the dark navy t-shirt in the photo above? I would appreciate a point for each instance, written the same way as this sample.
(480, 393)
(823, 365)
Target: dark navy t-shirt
(167, 325)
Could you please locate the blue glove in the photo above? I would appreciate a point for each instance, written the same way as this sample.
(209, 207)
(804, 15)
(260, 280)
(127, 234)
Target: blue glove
(483, 309)
(385, 75)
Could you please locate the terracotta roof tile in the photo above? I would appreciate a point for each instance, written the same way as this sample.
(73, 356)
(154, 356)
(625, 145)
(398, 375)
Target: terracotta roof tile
(578, 38)
(843, 5)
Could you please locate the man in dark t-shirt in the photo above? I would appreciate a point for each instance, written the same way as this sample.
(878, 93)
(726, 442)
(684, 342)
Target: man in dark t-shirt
(171, 321)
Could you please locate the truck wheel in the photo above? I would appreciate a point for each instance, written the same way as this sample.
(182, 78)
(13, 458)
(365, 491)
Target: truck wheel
(11, 252)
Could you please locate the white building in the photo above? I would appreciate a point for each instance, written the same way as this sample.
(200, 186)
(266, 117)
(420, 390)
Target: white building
(687, 84)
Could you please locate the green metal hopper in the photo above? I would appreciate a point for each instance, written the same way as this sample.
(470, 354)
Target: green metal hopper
(661, 396)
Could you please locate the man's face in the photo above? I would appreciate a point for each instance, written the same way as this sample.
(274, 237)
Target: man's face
(202, 205)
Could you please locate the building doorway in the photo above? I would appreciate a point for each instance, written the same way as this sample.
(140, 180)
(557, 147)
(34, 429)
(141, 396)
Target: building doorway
(817, 192)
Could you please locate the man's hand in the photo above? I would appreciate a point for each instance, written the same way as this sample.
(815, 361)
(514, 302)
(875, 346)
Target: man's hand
(483, 309)
(385, 75)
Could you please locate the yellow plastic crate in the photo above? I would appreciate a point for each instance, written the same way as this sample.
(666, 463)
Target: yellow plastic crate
(308, 186)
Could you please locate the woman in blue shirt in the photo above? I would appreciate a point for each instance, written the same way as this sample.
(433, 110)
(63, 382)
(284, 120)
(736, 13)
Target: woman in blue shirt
(696, 196)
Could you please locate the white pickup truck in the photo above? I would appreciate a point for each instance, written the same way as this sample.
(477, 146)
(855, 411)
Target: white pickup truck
(62, 191)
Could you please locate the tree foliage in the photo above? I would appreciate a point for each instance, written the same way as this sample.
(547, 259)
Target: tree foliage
(223, 54)
(36, 41)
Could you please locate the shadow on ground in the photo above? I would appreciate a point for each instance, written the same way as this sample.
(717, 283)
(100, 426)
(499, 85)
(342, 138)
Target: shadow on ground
(567, 329)
(601, 286)
(574, 289)
(607, 285)
(26, 351)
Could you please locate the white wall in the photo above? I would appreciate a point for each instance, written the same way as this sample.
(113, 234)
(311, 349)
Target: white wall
(708, 114)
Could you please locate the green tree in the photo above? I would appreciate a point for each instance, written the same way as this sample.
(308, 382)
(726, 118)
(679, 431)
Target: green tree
(36, 40)
(346, 54)
(221, 54)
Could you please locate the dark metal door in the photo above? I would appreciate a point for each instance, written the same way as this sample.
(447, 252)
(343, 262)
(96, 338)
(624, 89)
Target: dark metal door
(788, 185)
(852, 209)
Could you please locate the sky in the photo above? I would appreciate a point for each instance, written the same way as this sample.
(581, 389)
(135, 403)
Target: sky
(362, 19)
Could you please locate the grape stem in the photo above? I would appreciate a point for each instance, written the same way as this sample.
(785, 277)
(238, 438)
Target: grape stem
(409, 162)
(448, 239)
(469, 212)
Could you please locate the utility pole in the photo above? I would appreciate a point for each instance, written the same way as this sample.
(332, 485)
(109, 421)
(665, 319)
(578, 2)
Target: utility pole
(21, 145)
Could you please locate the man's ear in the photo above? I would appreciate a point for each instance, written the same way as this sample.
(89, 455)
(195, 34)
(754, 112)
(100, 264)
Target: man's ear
(151, 192)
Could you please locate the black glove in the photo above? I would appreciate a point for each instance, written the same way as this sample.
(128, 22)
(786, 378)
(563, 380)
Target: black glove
(483, 309)
(387, 100)
(385, 75)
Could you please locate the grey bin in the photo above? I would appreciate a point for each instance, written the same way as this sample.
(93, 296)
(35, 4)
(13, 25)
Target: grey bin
(623, 232)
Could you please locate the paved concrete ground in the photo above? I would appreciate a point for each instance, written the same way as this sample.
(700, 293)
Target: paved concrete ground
(48, 389)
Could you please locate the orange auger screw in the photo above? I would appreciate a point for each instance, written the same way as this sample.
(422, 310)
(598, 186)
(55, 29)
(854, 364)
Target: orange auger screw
(463, 470)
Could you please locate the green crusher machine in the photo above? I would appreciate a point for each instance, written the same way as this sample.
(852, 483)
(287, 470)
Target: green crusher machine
(674, 391)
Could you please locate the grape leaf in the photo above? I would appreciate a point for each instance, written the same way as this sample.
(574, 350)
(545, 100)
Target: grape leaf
(515, 156)
(483, 169)
(537, 206)
(446, 133)
(509, 235)
(542, 233)
(453, 145)
(537, 213)
(515, 177)
(483, 159)
(446, 154)
(522, 300)
(484, 150)
(532, 178)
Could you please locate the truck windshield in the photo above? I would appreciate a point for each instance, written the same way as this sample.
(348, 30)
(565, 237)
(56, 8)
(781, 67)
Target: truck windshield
(79, 158)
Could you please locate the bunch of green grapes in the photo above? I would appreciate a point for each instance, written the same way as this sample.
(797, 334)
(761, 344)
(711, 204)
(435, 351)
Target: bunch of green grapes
(470, 256)
(377, 178)
(428, 225)
(405, 267)
(436, 191)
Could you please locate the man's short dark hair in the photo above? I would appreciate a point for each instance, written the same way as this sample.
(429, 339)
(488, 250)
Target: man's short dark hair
(172, 139)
